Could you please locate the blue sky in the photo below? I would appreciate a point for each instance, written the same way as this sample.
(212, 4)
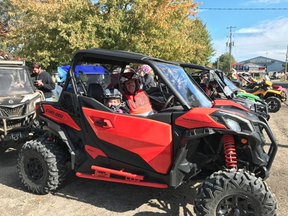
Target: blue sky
(257, 32)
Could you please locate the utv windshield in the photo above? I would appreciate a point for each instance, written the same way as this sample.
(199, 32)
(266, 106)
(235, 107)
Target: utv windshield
(231, 85)
(14, 81)
(229, 92)
(184, 85)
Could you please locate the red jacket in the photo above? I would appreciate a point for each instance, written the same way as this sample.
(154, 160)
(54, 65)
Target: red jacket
(138, 104)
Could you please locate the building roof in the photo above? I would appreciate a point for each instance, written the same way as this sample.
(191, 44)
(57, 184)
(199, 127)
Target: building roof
(261, 60)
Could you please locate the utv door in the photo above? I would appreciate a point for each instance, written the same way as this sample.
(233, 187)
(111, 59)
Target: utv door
(130, 139)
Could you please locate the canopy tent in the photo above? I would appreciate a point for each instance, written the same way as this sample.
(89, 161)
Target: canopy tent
(85, 69)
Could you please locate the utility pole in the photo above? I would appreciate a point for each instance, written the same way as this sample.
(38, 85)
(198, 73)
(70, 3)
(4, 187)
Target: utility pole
(230, 44)
(286, 59)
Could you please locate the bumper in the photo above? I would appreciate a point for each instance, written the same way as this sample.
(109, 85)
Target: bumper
(273, 145)
(262, 110)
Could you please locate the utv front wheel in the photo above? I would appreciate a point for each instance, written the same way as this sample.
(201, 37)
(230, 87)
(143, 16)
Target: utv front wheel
(42, 165)
(273, 103)
(234, 192)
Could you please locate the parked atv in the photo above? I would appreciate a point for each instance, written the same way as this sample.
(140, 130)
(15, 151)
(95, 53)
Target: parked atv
(186, 138)
(252, 102)
(264, 90)
(17, 104)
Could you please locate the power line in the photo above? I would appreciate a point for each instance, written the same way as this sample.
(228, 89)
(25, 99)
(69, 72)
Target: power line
(243, 8)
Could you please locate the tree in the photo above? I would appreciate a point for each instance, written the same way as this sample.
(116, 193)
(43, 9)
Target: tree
(5, 7)
(51, 31)
(202, 43)
(224, 62)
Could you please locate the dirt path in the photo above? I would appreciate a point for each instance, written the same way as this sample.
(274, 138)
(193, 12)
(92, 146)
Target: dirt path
(88, 197)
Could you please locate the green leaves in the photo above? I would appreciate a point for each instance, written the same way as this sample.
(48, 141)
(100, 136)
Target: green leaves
(224, 62)
(51, 31)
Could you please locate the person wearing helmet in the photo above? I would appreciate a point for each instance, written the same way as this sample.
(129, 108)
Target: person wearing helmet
(234, 74)
(113, 99)
(146, 77)
(135, 98)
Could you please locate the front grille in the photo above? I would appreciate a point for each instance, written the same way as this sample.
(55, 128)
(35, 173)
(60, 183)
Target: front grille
(12, 112)
(261, 109)
(20, 122)
(12, 124)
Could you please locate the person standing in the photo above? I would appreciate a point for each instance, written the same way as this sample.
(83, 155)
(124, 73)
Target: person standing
(42, 80)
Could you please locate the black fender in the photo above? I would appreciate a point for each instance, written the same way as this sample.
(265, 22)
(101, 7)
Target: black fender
(57, 131)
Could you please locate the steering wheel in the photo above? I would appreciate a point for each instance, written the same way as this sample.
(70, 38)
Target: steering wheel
(169, 102)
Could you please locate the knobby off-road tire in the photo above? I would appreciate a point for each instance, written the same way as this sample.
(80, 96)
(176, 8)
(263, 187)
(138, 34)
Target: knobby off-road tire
(234, 192)
(42, 165)
(274, 104)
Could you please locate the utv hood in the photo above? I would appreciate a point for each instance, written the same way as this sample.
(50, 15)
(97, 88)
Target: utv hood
(225, 103)
(13, 101)
(203, 117)
(248, 95)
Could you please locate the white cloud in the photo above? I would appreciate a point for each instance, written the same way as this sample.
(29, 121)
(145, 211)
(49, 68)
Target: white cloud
(268, 38)
(249, 31)
(265, 2)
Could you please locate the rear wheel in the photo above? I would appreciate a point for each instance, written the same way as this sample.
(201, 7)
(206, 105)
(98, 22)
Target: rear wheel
(42, 165)
(273, 103)
(234, 192)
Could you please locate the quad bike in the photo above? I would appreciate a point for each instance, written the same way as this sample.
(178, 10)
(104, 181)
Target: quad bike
(187, 137)
(280, 88)
(254, 103)
(261, 107)
(264, 90)
(275, 87)
(17, 104)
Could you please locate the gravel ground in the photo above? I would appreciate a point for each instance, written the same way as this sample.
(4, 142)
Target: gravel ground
(90, 197)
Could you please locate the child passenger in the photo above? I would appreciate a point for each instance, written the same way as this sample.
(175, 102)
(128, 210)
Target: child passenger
(113, 100)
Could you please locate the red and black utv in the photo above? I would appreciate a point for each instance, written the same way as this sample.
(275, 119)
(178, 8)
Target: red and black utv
(188, 136)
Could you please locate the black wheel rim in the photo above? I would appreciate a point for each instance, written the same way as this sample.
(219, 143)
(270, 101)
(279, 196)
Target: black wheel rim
(272, 105)
(35, 169)
(236, 205)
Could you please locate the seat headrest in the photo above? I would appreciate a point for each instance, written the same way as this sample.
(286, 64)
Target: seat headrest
(95, 91)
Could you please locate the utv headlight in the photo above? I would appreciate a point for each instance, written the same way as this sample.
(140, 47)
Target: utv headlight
(252, 108)
(238, 123)
(31, 106)
(247, 105)
(233, 125)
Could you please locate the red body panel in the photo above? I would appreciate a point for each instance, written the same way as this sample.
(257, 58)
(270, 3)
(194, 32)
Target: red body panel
(151, 140)
(198, 118)
(220, 102)
(59, 116)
